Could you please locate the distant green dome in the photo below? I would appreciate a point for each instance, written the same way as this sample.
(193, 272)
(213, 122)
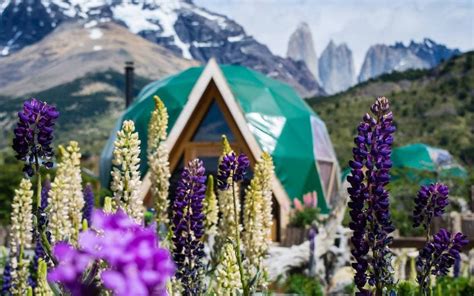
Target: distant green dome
(424, 158)
(281, 122)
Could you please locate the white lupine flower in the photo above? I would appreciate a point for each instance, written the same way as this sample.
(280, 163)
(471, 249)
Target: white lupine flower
(253, 236)
(264, 168)
(158, 163)
(19, 276)
(58, 206)
(258, 216)
(126, 174)
(42, 288)
(210, 209)
(71, 158)
(21, 217)
(228, 280)
(65, 197)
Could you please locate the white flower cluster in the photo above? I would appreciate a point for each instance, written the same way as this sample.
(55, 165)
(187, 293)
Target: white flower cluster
(66, 199)
(258, 216)
(72, 160)
(126, 173)
(158, 163)
(42, 288)
(227, 273)
(210, 209)
(19, 276)
(21, 217)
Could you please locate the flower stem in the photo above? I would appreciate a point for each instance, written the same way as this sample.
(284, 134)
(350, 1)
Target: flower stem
(42, 234)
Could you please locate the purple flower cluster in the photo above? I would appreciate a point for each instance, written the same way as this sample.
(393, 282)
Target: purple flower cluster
(430, 202)
(232, 166)
(34, 134)
(438, 256)
(188, 227)
(7, 280)
(135, 263)
(369, 199)
(88, 204)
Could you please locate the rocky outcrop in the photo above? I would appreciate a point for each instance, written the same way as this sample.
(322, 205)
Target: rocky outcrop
(186, 29)
(301, 48)
(336, 68)
(382, 58)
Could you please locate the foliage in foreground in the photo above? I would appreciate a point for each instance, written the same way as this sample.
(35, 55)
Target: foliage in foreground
(82, 251)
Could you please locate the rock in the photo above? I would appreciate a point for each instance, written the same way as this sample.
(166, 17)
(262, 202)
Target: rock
(383, 58)
(301, 48)
(336, 68)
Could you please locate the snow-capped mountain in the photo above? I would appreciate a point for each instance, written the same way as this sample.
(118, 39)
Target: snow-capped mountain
(382, 58)
(336, 68)
(301, 48)
(186, 29)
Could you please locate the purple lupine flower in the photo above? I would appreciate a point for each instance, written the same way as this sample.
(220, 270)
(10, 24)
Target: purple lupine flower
(136, 265)
(430, 202)
(70, 271)
(188, 227)
(7, 280)
(369, 199)
(438, 255)
(34, 135)
(232, 166)
(88, 204)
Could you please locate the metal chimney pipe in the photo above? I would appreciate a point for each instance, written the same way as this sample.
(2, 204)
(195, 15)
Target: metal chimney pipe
(129, 69)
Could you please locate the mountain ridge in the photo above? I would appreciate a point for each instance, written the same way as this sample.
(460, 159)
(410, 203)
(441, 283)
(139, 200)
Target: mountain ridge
(184, 28)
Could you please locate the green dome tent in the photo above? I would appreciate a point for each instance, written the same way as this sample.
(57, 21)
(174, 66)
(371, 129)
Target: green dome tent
(281, 123)
(423, 158)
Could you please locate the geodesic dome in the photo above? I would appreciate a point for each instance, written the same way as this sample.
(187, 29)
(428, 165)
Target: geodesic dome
(279, 120)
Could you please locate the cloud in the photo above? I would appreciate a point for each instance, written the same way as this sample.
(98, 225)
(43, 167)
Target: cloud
(358, 23)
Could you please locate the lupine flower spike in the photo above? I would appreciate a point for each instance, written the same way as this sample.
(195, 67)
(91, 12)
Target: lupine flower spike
(126, 174)
(211, 209)
(188, 227)
(34, 135)
(227, 221)
(72, 160)
(430, 202)
(21, 237)
(158, 161)
(258, 216)
(65, 196)
(369, 199)
(438, 256)
(21, 218)
(228, 280)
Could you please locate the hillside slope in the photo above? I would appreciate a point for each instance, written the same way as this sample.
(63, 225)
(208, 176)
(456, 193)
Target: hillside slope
(431, 106)
(78, 48)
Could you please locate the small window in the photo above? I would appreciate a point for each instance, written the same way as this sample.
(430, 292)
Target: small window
(213, 126)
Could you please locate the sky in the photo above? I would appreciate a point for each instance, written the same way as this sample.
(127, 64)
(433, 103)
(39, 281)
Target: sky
(360, 24)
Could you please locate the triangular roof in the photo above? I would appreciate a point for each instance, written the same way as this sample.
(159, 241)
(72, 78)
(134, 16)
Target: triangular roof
(270, 115)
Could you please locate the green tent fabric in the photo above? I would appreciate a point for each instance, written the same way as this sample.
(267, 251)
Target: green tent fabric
(281, 122)
(421, 157)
